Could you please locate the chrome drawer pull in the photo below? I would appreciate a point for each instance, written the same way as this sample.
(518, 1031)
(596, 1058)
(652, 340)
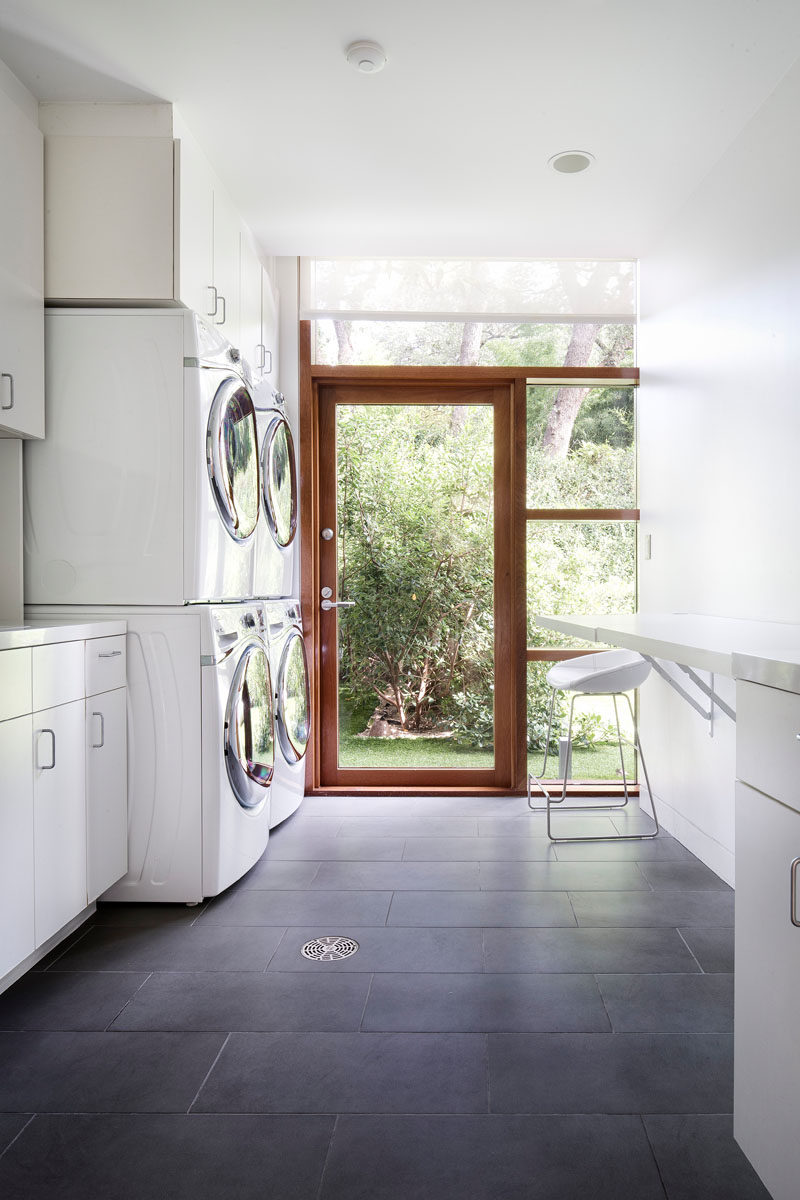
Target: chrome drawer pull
(7, 375)
(53, 763)
(109, 654)
(793, 899)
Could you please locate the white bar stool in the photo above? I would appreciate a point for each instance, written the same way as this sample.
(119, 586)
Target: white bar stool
(610, 673)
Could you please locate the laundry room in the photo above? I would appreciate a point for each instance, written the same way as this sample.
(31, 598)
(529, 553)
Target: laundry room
(399, 638)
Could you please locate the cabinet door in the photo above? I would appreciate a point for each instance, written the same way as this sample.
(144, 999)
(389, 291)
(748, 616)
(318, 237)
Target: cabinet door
(59, 817)
(250, 306)
(17, 939)
(195, 250)
(767, 1047)
(226, 266)
(21, 275)
(269, 329)
(106, 791)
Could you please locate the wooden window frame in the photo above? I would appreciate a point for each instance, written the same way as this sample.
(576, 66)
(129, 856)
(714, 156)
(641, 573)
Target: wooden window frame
(313, 377)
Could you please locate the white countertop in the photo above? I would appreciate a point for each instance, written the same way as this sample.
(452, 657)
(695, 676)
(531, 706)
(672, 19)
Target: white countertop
(762, 651)
(44, 632)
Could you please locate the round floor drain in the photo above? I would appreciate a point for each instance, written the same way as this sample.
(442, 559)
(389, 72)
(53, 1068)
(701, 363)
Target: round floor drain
(329, 949)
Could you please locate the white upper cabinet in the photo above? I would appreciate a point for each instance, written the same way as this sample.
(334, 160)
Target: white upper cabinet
(133, 213)
(21, 239)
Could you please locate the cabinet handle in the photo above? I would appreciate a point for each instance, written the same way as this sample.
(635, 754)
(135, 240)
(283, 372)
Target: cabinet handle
(110, 654)
(793, 898)
(99, 745)
(53, 763)
(7, 375)
(224, 310)
(213, 312)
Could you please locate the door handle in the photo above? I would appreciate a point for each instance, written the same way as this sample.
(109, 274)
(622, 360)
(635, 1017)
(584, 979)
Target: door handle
(793, 897)
(7, 375)
(99, 745)
(327, 605)
(52, 764)
(110, 654)
(224, 310)
(212, 312)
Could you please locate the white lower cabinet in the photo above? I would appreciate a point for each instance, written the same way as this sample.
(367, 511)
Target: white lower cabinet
(63, 783)
(17, 938)
(767, 1046)
(59, 817)
(106, 791)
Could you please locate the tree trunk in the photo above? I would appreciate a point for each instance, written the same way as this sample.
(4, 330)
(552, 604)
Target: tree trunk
(468, 356)
(568, 400)
(346, 355)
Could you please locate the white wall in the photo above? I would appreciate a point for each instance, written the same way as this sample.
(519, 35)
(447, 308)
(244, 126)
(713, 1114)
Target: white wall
(719, 353)
(286, 280)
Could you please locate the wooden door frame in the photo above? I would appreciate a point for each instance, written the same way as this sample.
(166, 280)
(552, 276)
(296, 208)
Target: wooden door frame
(510, 609)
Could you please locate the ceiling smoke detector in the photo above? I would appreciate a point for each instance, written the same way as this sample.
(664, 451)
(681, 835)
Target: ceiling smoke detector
(366, 57)
(569, 162)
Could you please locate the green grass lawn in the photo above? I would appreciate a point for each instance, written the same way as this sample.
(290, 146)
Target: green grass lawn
(599, 762)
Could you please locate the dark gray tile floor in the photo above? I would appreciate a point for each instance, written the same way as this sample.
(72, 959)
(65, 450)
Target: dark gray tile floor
(522, 1020)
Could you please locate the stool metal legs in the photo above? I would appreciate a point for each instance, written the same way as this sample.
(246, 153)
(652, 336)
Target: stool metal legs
(559, 801)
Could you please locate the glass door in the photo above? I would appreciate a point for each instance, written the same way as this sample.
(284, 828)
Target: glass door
(414, 539)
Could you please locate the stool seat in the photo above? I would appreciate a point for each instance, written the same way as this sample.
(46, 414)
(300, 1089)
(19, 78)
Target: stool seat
(607, 671)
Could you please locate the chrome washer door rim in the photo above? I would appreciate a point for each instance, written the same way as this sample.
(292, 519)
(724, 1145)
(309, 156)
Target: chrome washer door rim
(249, 777)
(239, 519)
(282, 531)
(292, 752)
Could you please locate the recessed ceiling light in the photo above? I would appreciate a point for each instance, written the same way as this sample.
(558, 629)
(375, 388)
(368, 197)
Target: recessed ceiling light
(569, 162)
(367, 57)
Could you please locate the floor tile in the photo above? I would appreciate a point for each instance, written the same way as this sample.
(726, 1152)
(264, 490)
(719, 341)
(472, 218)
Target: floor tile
(170, 948)
(484, 1003)
(661, 849)
(10, 1126)
(648, 950)
(409, 826)
(246, 1002)
(490, 1158)
(683, 877)
(397, 876)
(348, 1072)
(699, 1160)
(474, 849)
(610, 1073)
(152, 1157)
(335, 849)
(67, 1001)
(384, 948)
(253, 907)
(533, 825)
(668, 1003)
(562, 876)
(103, 1072)
(654, 908)
(281, 874)
(713, 948)
(486, 909)
(302, 824)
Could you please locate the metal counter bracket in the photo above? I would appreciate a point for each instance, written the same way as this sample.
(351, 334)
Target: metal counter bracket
(706, 688)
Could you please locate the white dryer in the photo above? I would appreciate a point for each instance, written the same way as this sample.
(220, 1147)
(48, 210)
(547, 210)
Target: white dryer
(146, 489)
(277, 525)
(201, 748)
(292, 706)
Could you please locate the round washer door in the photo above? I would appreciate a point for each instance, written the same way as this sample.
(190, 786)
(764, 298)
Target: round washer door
(294, 705)
(278, 480)
(232, 458)
(250, 728)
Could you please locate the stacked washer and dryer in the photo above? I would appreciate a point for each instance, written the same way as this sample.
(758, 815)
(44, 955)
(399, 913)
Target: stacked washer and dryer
(165, 492)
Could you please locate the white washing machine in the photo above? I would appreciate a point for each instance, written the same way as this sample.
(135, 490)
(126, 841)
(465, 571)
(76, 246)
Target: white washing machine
(146, 489)
(277, 525)
(201, 748)
(292, 706)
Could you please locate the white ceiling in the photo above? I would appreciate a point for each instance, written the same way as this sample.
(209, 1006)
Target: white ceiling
(445, 151)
